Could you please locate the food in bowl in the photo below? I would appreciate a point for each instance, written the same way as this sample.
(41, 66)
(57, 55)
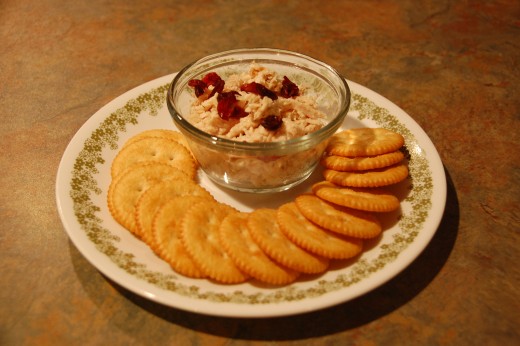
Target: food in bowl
(254, 106)
(277, 111)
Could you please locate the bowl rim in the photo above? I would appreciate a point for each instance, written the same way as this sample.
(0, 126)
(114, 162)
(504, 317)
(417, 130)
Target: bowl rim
(319, 134)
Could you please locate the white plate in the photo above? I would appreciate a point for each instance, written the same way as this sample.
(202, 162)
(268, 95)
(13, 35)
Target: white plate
(83, 178)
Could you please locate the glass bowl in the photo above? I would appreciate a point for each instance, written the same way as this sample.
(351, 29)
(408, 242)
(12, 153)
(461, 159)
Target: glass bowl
(261, 166)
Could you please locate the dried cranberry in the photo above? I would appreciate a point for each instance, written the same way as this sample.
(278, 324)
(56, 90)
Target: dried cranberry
(258, 89)
(201, 85)
(228, 107)
(272, 122)
(214, 79)
(211, 78)
(289, 89)
(198, 85)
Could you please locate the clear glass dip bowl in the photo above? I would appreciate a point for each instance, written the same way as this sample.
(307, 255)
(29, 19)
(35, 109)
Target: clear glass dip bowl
(268, 166)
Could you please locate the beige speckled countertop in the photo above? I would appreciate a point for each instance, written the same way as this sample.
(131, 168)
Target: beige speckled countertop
(451, 65)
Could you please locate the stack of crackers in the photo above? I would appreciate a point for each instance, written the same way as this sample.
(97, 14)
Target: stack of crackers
(154, 194)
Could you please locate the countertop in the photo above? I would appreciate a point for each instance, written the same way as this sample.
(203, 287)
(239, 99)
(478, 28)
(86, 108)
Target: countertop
(453, 66)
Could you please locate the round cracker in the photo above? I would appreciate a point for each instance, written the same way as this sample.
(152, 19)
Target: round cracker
(356, 198)
(153, 198)
(162, 133)
(361, 163)
(125, 190)
(159, 133)
(155, 149)
(372, 178)
(364, 142)
(352, 223)
(265, 231)
(248, 256)
(200, 237)
(166, 232)
(314, 238)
